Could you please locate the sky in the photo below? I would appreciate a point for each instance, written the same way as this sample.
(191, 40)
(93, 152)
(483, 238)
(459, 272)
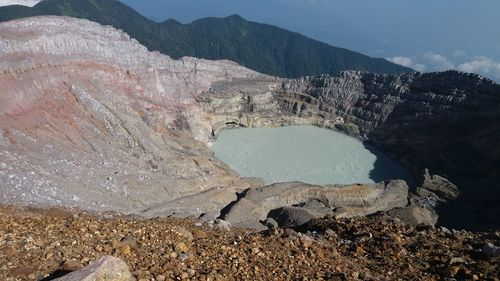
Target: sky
(426, 35)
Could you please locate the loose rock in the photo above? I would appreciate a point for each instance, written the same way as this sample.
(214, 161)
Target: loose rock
(105, 268)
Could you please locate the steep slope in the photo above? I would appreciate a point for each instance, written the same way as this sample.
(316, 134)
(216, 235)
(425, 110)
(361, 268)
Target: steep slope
(90, 118)
(261, 47)
(446, 122)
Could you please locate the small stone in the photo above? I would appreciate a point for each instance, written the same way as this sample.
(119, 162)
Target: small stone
(456, 261)
(444, 230)
(306, 241)
(289, 232)
(183, 232)
(71, 265)
(491, 250)
(330, 233)
(210, 224)
(174, 255)
(200, 234)
(115, 244)
(181, 247)
(222, 224)
(125, 250)
(453, 270)
(161, 278)
(183, 257)
(130, 241)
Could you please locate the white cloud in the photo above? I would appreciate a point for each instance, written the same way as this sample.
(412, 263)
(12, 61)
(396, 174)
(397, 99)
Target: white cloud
(482, 65)
(408, 62)
(420, 67)
(29, 3)
(438, 61)
(404, 61)
(432, 61)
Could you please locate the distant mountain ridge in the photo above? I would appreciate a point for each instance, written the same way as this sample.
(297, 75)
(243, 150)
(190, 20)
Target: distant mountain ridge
(261, 47)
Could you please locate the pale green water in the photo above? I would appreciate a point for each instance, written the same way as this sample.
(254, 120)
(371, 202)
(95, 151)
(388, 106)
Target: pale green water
(304, 153)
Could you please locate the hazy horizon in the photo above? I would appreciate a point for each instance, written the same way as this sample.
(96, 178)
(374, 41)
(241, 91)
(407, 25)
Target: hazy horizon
(428, 35)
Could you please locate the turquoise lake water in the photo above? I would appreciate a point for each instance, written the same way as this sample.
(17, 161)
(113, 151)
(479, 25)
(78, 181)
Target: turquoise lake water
(305, 153)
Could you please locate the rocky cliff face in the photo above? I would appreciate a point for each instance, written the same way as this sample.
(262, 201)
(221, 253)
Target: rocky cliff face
(446, 122)
(90, 119)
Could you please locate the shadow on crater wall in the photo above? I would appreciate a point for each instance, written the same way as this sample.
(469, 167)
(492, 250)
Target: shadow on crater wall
(387, 168)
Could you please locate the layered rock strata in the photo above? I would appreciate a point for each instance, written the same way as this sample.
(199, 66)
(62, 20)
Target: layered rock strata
(316, 201)
(90, 119)
(440, 123)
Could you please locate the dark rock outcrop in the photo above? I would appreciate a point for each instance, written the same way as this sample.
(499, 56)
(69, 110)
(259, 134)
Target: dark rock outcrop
(292, 216)
(437, 188)
(414, 216)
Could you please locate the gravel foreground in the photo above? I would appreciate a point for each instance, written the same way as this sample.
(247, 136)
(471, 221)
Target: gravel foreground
(42, 244)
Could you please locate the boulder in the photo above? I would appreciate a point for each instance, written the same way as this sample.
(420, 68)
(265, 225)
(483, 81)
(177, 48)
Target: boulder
(104, 269)
(438, 187)
(345, 201)
(270, 223)
(291, 216)
(415, 216)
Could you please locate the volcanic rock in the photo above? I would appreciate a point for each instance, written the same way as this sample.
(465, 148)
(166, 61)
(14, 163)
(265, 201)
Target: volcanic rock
(104, 269)
(446, 122)
(373, 245)
(345, 201)
(291, 216)
(437, 187)
(414, 216)
(91, 119)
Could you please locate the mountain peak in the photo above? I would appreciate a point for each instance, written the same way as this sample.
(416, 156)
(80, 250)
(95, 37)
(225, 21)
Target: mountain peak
(235, 17)
(261, 47)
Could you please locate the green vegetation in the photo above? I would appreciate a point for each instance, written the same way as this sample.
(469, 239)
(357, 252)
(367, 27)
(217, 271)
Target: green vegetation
(261, 47)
